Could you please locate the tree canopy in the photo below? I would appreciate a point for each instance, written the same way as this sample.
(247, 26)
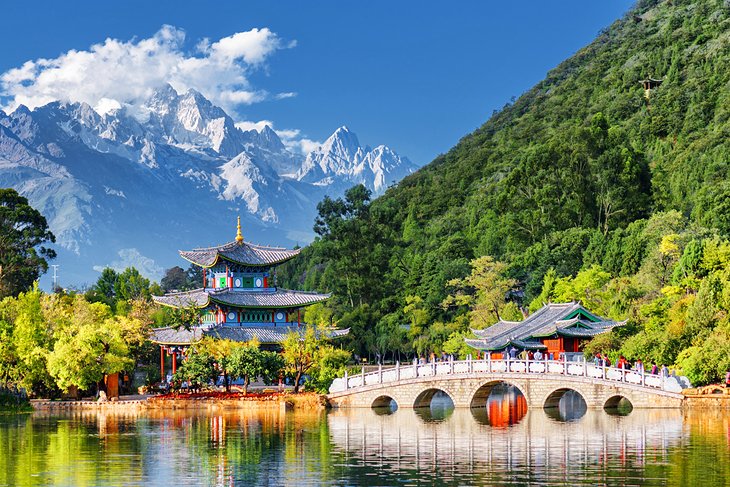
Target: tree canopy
(23, 233)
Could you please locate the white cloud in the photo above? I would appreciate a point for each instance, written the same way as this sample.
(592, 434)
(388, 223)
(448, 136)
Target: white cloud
(259, 126)
(133, 258)
(128, 71)
(285, 95)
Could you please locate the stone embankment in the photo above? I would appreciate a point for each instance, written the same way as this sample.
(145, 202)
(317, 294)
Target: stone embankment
(217, 402)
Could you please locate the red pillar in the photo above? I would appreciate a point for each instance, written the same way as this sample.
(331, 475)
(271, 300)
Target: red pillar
(174, 362)
(162, 363)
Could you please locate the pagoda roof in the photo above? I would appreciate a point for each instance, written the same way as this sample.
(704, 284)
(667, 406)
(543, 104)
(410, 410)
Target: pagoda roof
(267, 298)
(264, 334)
(562, 319)
(243, 253)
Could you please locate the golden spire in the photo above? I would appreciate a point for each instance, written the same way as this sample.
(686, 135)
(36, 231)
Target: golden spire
(239, 237)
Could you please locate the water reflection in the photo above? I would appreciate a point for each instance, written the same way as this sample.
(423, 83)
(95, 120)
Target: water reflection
(439, 408)
(618, 406)
(565, 405)
(360, 447)
(506, 406)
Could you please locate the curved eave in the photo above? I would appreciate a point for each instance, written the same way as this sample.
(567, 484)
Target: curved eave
(219, 257)
(212, 299)
(177, 306)
(175, 342)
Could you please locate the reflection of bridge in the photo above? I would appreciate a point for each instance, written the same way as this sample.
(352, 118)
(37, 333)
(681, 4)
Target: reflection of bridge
(469, 383)
(598, 449)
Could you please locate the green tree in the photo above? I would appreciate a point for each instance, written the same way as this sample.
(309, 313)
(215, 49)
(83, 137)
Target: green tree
(308, 352)
(90, 346)
(198, 369)
(23, 231)
(484, 291)
(104, 289)
(175, 278)
(250, 362)
(131, 285)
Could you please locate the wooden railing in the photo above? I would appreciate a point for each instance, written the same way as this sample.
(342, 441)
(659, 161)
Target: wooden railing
(546, 368)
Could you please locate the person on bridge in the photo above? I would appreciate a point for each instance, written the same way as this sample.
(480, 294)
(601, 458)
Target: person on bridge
(639, 366)
(512, 352)
(727, 378)
(538, 355)
(523, 355)
(654, 368)
(597, 360)
(623, 363)
(665, 370)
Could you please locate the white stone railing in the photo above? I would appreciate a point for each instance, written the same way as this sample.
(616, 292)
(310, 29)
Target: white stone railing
(545, 368)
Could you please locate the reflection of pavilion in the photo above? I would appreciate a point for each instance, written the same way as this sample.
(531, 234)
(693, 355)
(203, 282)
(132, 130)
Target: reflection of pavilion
(535, 450)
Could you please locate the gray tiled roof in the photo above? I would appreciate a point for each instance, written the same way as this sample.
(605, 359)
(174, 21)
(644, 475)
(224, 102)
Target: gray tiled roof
(547, 321)
(268, 298)
(242, 253)
(264, 334)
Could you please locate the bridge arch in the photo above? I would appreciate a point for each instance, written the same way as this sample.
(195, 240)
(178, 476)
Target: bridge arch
(384, 401)
(423, 399)
(480, 396)
(566, 404)
(619, 404)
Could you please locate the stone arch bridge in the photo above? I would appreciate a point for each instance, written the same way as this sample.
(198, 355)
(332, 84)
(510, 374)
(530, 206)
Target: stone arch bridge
(469, 383)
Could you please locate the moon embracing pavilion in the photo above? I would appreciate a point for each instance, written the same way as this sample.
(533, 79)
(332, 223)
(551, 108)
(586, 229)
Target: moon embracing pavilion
(238, 299)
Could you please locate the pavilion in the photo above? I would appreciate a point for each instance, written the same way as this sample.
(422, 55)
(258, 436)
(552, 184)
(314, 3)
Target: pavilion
(553, 329)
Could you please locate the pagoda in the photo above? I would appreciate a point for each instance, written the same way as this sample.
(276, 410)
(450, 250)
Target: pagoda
(238, 300)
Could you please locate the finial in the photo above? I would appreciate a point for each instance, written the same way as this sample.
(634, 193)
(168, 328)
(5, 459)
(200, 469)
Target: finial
(239, 237)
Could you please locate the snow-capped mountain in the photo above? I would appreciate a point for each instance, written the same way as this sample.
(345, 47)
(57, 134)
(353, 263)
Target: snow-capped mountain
(121, 188)
(341, 159)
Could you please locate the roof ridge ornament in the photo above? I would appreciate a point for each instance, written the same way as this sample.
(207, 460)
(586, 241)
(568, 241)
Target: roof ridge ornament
(239, 237)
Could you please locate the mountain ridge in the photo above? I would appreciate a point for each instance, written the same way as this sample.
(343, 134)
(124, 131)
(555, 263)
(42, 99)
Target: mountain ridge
(181, 155)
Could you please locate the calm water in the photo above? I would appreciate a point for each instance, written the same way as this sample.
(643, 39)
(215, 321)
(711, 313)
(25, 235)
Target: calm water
(500, 444)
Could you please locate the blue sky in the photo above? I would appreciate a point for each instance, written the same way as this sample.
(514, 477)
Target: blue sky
(416, 76)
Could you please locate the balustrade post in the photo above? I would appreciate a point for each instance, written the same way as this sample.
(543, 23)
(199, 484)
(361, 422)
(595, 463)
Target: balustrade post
(451, 364)
(363, 375)
(380, 372)
(347, 381)
(643, 376)
(585, 367)
(397, 371)
(489, 362)
(604, 368)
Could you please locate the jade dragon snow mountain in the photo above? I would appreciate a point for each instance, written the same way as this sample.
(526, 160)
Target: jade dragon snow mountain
(121, 188)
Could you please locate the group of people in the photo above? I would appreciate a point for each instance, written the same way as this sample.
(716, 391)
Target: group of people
(530, 355)
(602, 360)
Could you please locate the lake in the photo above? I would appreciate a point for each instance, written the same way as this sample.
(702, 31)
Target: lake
(501, 444)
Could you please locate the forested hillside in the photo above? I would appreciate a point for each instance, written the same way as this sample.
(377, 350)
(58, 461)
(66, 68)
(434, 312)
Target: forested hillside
(586, 187)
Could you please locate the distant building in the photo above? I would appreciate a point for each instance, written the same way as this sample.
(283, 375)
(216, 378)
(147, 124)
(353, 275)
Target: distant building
(553, 329)
(238, 299)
